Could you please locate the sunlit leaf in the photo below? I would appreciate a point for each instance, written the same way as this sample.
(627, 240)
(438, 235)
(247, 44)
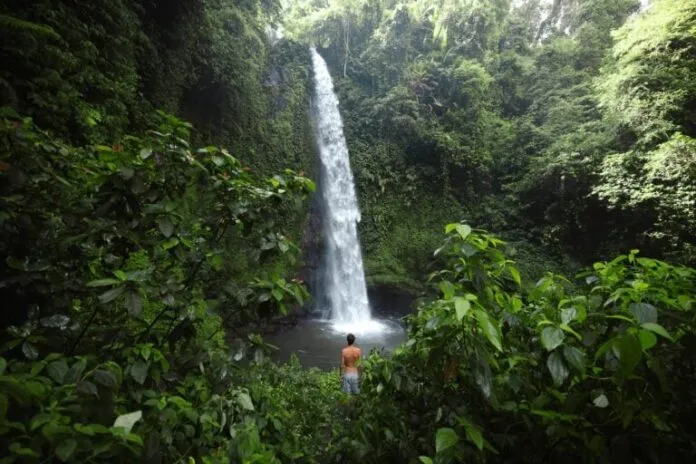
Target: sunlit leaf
(515, 275)
(244, 401)
(647, 339)
(601, 401)
(568, 314)
(552, 337)
(447, 289)
(489, 328)
(127, 421)
(445, 438)
(461, 306)
(463, 230)
(473, 433)
(30, 351)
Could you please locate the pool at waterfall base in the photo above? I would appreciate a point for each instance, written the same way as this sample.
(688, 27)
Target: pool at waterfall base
(318, 342)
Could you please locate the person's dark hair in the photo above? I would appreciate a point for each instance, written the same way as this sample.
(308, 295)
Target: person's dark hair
(351, 339)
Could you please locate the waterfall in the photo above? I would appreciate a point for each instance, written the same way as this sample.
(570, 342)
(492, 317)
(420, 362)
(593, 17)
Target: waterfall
(343, 276)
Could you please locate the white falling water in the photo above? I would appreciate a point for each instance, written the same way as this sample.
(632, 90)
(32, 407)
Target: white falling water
(344, 277)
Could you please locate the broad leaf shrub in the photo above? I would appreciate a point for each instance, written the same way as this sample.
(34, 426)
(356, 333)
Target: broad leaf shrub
(496, 370)
(122, 267)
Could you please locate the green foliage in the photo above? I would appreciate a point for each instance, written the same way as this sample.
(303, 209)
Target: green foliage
(134, 265)
(128, 251)
(94, 73)
(300, 411)
(648, 90)
(492, 373)
(79, 81)
(525, 116)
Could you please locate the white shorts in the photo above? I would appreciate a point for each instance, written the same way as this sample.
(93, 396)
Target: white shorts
(351, 383)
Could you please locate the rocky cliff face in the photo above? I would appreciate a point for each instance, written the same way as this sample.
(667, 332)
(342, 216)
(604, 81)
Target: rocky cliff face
(312, 244)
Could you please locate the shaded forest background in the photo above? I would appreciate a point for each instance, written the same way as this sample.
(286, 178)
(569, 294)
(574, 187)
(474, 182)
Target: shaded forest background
(532, 119)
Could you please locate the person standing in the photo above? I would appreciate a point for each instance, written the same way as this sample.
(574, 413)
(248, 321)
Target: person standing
(350, 357)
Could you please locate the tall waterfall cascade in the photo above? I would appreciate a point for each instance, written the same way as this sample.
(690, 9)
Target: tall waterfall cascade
(343, 275)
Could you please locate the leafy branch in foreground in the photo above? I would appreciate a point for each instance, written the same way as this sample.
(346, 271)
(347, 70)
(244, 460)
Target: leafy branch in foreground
(598, 370)
(122, 251)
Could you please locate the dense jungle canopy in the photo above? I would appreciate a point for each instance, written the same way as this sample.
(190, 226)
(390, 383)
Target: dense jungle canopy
(526, 172)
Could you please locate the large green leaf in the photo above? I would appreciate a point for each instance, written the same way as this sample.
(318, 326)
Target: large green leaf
(568, 314)
(111, 295)
(461, 307)
(644, 313)
(57, 370)
(489, 328)
(473, 433)
(445, 438)
(463, 230)
(658, 329)
(557, 368)
(552, 337)
(575, 358)
(166, 226)
(170, 243)
(106, 378)
(629, 353)
(87, 388)
(515, 275)
(127, 421)
(647, 339)
(39, 420)
(447, 289)
(244, 401)
(65, 450)
(139, 371)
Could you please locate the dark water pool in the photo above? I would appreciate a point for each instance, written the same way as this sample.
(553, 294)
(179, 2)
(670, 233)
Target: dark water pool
(318, 344)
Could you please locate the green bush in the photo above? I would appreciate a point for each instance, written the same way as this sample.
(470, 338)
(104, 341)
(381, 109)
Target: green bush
(593, 370)
(116, 264)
